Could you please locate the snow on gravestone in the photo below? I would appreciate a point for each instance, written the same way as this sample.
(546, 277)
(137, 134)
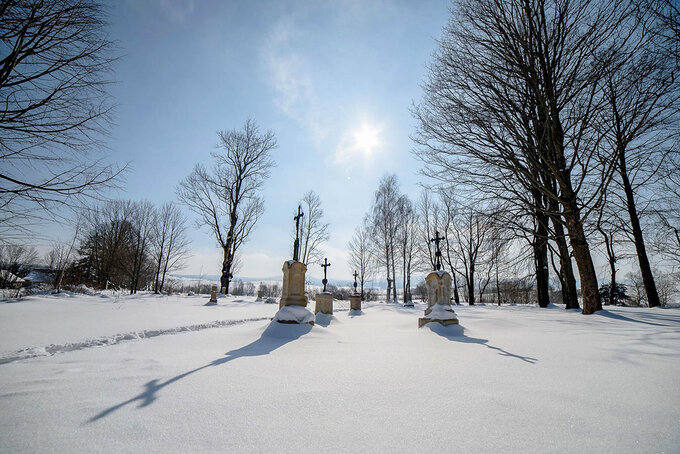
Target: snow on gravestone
(438, 285)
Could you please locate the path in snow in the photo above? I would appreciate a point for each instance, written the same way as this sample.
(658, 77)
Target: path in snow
(33, 352)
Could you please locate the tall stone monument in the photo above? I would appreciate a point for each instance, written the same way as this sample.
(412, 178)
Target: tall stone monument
(438, 285)
(293, 303)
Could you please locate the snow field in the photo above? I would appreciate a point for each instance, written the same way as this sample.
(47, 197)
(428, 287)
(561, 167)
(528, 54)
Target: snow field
(510, 379)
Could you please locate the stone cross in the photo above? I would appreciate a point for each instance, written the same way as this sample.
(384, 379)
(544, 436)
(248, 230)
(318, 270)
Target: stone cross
(296, 245)
(355, 280)
(325, 265)
(438, 252)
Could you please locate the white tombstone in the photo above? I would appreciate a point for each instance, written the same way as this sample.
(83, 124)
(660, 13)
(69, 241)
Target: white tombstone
(438, 285)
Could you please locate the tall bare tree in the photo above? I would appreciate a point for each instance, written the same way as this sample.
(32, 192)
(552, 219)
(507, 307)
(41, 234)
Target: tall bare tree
(642, 92)
(61, 253)
(513, 98)
(360, 254)
(226, 198)
(384, 224)
(314, 231)
(170, 245)
(53, 82)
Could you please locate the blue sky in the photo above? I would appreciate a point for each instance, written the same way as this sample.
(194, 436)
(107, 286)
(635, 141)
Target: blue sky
(333, 80)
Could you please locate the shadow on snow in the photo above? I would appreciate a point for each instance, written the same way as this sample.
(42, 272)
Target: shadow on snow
(456, 333)
(274, 336)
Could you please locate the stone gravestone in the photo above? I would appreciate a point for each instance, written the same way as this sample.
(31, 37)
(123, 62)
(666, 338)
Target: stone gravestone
(213, 295)
(293, 291)
(324, 300)
(438, 286)
(355, 302)
(355, 298)
(324, 303)
(293, 303)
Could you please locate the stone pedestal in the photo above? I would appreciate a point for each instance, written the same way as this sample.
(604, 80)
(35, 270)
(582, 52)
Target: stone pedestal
(355, 302)
(293, 291)
(438, 285)
(213, 295)
(259, 295)
(324, 303)
(293, 303)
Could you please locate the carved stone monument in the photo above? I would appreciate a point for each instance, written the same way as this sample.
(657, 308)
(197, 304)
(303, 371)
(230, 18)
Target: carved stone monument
(293, 303)
(438, 285)
(293, 291)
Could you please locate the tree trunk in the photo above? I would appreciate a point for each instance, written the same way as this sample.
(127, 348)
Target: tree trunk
(577, 237)
(643, 261)
(540, 247)
(567, 279)
(471, 284)
(456, 297)
(498, 287)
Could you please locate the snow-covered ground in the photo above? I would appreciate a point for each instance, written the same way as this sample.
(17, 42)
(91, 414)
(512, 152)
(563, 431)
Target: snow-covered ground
(168, 374)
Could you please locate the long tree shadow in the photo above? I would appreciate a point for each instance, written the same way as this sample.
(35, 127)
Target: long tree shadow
(456, 333)
(274, 336)
(657, 319)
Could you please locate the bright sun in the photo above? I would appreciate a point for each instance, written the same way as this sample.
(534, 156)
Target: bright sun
(366, 139)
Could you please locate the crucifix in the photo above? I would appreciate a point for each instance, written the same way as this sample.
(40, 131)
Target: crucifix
(296, 245)
(325, 265)
(438, 253)
(355, 280)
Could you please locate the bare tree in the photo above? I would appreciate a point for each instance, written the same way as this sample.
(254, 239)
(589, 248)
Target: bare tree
(470, 237)
(512, 100)
(17, 258)
(314, 232)
(60, 255)
(226, 198)
(360, 255)
(430, 217)
(55, 108)
(170, 245)
(407, 240)
(384, 224)
(642, 93)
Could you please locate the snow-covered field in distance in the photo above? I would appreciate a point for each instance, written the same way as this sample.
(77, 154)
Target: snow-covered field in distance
(168, 374)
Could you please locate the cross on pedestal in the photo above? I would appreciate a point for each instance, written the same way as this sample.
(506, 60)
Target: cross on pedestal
(296, 245)
(438, 253)
(355, 280)
(325, 265)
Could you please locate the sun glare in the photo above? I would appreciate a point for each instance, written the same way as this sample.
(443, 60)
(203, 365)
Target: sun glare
(366, 139)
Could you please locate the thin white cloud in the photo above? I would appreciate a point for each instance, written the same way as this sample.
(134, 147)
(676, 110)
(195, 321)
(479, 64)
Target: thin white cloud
(289, 75)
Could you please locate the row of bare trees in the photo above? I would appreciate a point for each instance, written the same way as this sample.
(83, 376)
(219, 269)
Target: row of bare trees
(131, 245)
(560, 112)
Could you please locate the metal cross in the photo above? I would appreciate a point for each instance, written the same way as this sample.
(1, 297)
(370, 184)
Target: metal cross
(355, 280)
(296, 245)
(438, 253)
(325, 265)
